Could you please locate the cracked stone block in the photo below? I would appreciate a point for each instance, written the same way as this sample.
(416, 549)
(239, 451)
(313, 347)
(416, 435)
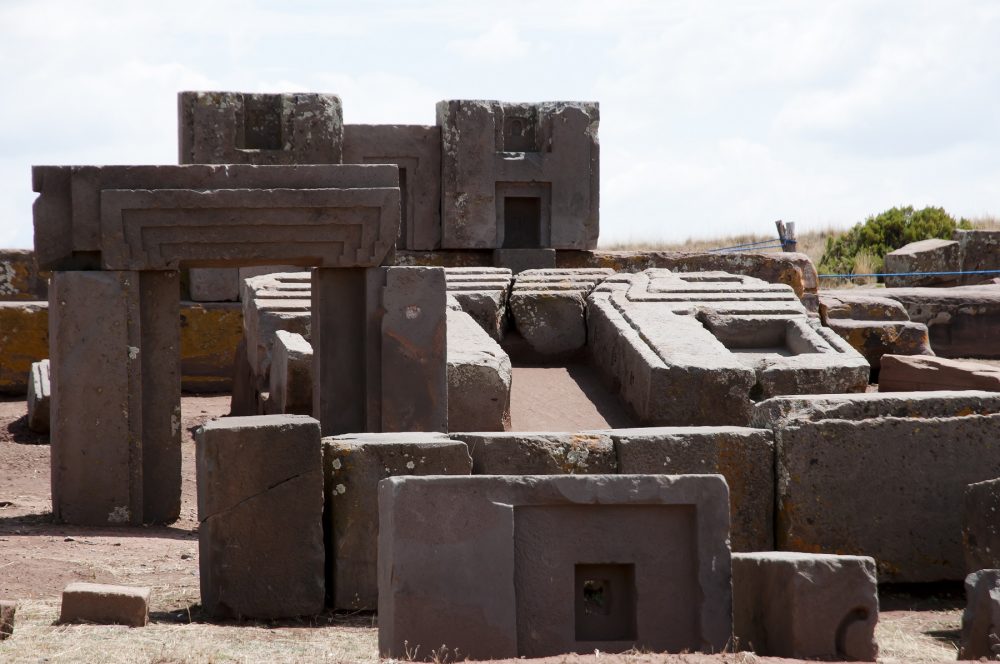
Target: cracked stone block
(548, 309)
(519, 453)
(881, 474)
(260, 513)
(981, 525)
(479, 377)
(105, 604)
(806, 605)
(980, 637)
(745, 457)
(353, 466)
(39, 393)
(482, 293)
(499, 567)
(291, 374)
(8, 610)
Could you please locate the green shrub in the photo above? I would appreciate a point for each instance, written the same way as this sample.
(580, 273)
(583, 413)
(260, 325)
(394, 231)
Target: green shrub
(880, 234)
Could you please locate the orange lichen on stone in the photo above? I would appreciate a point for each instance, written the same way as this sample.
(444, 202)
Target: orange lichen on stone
(209, 336)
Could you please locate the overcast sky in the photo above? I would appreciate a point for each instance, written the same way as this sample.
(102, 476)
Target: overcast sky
(716, 117)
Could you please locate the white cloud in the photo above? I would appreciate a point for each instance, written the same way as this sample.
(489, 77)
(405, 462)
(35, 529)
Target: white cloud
(499, 43)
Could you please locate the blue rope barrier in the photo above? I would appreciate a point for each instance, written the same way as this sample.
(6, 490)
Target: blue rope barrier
(904, 274)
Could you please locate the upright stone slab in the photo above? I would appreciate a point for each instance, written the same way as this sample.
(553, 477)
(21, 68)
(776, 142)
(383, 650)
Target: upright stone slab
(116, 407)
(745, 457)
(981, 525)
(353, 466)
(214, 284)
(542, 565)
(931, 255)
(980, 638)
(805, 606)
(245, 128)
(416, 150)
(39, 396)
(260, 513)
(881, 475)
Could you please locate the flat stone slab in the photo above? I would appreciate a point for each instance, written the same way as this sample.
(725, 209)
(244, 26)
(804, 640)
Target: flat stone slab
(260, 513)
(524, 453)
(479, 377)
(353, 465)
(542, 565)
(745, 457)
(882, 475)
(105, 604)
(901, 373)
(806, 605)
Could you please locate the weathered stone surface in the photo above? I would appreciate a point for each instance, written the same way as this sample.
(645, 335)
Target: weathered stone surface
(519, 260)
(416, 150)
(482, 293)
(962, 321)
(699, 348)
(519, 175)
(908, 373)
(980, 250)
(214, 284)
(260, 513)
(8, 611)
(933, 255)
(105, 604)
(20, 279)
(157, 217)
(479, 377)
(39, 394)
(117, 331)
(845, 305)
(24, 340)
(881, 475)
(414, 350)
(548, 309)
(806, 605)
(270, 303)
(875, 339)
(209, 333)
(981, 526)
(523, 453)
(791, 269)
(745, 457)
(518, 566)
(980, 638)
(244, 128)
(291, 375)
(353, 465)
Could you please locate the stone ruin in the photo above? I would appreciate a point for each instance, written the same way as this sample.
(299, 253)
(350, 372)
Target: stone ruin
(386, 280)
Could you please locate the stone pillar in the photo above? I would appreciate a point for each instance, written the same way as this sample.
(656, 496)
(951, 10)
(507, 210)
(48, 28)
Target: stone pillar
(379, 349)
(115, 408)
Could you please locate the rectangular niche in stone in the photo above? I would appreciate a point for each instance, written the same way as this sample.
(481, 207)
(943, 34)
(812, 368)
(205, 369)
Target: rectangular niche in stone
(534, 566)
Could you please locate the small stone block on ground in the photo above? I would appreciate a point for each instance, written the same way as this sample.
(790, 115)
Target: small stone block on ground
(7, 611)
(981, 619)
(981, 525)
(39, 393)
(104, 604)
(805, 606)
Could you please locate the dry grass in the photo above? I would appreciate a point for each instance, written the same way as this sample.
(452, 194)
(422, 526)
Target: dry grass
(170, 638)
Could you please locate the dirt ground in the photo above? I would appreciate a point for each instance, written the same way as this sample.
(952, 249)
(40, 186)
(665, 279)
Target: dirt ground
(38, 558)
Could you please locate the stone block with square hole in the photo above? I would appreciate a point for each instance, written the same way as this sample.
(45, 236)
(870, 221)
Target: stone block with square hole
(805, 605)
(533, 566)
(519, 175)
(353, 465)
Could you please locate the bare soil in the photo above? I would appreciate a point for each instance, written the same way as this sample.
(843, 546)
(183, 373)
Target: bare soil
(38, 558)
(570, 397)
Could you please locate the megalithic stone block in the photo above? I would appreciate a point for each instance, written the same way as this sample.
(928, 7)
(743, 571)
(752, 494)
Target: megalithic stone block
(379, 340)
(115, 409)
(260, 510)
(39, 396)
(245, 128)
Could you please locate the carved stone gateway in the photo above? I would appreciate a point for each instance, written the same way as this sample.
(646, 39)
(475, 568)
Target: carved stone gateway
(116, 235)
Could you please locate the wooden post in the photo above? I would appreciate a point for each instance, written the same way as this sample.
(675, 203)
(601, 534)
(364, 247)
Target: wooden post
(786, 233)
